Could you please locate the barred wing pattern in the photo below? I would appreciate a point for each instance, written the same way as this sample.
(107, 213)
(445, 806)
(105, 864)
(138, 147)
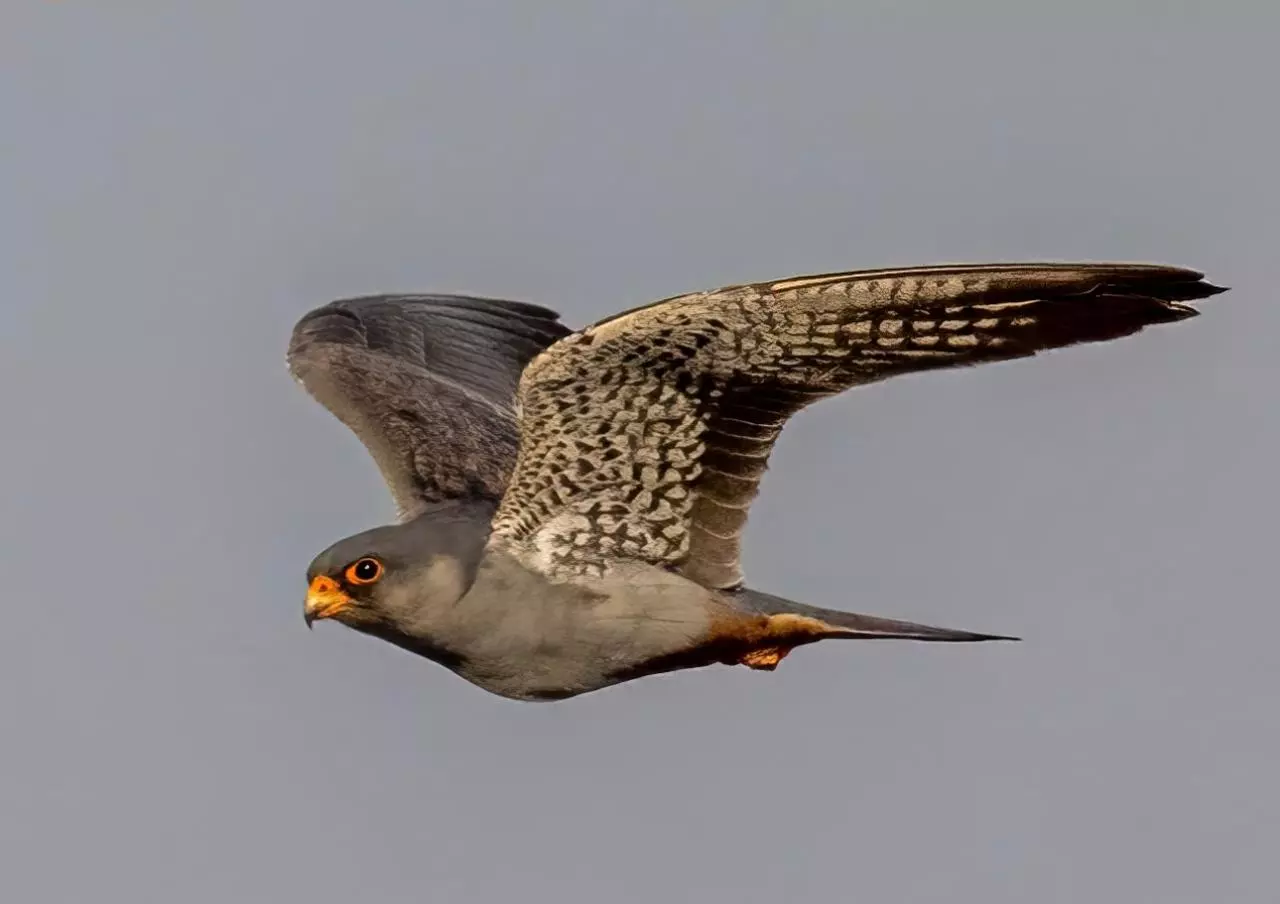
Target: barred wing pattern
(646, 435)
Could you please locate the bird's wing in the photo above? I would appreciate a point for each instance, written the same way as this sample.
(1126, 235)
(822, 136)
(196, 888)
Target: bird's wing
(427, 383)
(646, 435)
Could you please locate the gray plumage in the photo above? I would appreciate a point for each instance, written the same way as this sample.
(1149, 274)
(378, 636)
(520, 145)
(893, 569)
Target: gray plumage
(595, 537)
(426, 382)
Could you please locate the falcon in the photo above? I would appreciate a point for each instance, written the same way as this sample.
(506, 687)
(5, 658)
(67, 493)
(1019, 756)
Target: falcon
(572, 503)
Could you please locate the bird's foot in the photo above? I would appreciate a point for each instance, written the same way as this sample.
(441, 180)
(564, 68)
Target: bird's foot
(765, 658)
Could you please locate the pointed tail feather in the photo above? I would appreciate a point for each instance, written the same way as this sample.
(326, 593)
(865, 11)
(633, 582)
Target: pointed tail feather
(857, 625)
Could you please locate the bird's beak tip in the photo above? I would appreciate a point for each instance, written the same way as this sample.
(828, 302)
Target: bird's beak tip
(325, 598)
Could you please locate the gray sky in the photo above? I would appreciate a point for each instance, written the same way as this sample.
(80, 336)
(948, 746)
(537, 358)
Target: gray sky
(181, 181)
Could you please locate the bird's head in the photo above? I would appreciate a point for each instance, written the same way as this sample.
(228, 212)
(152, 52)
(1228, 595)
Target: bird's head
(393, 581)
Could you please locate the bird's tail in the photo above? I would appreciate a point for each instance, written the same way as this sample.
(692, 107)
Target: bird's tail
(832, 623)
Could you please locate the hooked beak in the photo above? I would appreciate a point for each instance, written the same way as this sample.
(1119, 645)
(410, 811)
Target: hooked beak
(325, 599)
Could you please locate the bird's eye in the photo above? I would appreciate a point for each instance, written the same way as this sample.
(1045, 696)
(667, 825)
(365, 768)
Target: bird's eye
(364, 571)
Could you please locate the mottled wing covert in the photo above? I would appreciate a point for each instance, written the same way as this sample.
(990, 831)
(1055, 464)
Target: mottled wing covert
(427, 383)
(646, 435)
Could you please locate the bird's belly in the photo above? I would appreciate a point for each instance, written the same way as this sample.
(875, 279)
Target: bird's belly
(559, 642)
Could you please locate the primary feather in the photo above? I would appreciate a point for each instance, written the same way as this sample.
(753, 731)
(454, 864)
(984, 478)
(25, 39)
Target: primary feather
(645, 436)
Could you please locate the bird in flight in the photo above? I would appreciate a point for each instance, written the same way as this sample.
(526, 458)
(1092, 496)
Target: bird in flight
(572, 503)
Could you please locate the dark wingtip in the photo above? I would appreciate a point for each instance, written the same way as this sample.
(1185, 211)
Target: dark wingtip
(1188, 291)
(330, 323)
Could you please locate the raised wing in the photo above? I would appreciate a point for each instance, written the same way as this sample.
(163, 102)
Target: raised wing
(427, 384)
(646, 435)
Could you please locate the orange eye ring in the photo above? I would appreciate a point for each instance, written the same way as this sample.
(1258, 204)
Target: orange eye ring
(364, 571)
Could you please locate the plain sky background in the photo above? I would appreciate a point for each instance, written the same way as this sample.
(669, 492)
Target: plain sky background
(182, 181)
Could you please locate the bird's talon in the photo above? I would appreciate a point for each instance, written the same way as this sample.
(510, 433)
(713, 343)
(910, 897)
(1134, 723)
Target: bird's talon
(766, 659)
